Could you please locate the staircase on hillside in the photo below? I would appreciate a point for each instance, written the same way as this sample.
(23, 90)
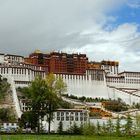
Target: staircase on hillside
(15, 97)
(100, 109)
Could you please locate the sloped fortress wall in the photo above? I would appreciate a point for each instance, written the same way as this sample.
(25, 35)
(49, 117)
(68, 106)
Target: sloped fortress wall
(94, 86)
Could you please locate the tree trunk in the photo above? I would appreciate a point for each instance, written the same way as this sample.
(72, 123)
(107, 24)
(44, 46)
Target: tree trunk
(49, 119)
(38, 126)
(49, 124)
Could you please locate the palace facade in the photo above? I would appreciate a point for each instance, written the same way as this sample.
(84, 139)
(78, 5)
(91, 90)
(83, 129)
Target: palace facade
(83, 78)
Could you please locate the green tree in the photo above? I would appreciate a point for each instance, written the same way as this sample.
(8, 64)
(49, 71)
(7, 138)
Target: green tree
(129, 125)
(64, 104)
(98, 128)
(0, 126)
(44, 96)
(116, 105)
(52, 104)
(56, 84)
(118, 127)
(110, 127)
(56, 87)
(75, 129)
(89, 129)
(6, 115)
(60, 128)
(37, 93)
(137, 123)
(104, 129)
(4, 87)
(28, 120)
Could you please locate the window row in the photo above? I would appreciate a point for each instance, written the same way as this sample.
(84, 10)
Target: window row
(70, 113)
(115, 80)
(71, 118)
(133, 75)
(133, 81)
(19, 71)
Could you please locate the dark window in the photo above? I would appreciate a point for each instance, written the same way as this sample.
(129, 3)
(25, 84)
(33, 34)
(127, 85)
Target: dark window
(71, 118)
(62, 113)
(58, 113)
(81, 118)
(76, 119)
(72, 113)
(67, 118)
(62, 118)
(85, 118)
(76, 113)
(58, 118)
(67, 113)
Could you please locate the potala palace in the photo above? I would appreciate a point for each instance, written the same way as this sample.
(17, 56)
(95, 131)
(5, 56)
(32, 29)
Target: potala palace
(83, 78)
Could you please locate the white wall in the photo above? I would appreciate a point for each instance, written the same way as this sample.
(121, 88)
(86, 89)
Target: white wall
(66, 123)
(88, 88)
(99, 89)
(1, 58)
(10, 125)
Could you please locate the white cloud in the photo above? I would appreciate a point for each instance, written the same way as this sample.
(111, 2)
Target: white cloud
(69, 25)
(118, 44)
(44, 24)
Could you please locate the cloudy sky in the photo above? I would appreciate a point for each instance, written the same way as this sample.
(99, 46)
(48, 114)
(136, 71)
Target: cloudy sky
(103, 29)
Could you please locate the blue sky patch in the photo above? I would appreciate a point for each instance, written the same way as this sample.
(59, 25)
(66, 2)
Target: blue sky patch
(126, 14)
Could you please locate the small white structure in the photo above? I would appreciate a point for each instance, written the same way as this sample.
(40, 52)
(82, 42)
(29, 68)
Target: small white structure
(8, 126)
(24, 105)
(68, 117)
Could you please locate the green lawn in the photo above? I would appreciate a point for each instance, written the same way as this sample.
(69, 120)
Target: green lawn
(58, 137)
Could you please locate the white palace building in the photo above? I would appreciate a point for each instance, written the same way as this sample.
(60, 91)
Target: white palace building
(101, 83)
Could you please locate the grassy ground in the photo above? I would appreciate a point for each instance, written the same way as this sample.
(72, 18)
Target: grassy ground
(58, 137)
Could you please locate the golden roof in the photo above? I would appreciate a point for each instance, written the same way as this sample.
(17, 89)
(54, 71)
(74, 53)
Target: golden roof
(37, 51)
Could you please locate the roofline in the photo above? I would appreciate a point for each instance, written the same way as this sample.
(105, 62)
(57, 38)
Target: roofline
(95, 69)
(128, 72)
(14, 55)
(1, 53)
(66, 73)
(114, 76)
(22, 68)
(71, 109)
(37, 65)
